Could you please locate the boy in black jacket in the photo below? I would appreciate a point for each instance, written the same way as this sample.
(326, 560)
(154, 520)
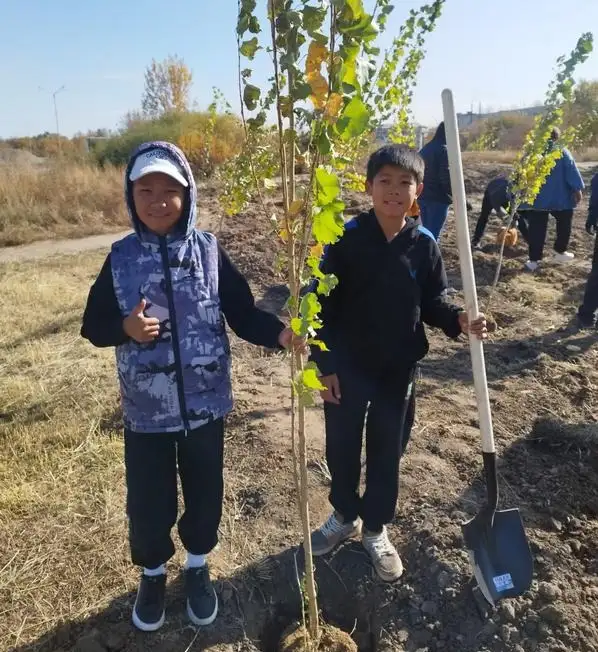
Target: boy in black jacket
(391, 280)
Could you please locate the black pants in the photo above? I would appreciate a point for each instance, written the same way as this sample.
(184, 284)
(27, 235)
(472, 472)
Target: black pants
(537, 222)
(482, 223)
(588, 308)
(151, 473)
(390, 407)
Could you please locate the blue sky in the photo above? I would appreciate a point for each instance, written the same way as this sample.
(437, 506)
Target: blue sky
(497, 53)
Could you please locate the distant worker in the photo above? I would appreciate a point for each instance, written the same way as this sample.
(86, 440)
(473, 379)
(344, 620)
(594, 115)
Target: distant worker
(437, 196)
(586, 314)
(560, 194)
(497, 198)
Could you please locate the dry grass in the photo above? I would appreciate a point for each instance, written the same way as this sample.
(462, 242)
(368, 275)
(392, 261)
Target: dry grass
(508, 156)
(62, 522)
(59, 200)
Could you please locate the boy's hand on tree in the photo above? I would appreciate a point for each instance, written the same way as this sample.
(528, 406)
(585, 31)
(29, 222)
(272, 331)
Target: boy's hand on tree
(477, 327)
(291, 342)
(332, 393)
(139, 327)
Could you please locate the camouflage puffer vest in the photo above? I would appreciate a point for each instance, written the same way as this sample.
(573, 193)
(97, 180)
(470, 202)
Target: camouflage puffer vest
(181, 380)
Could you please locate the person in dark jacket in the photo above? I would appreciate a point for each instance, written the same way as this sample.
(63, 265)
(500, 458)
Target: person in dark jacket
(589, 308)
(436, 197)
(161, 299)
(391, 281)
(558, 196)
(497, 198)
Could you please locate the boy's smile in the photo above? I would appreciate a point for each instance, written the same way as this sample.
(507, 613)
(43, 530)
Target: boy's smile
(158, 201)
(393, 191)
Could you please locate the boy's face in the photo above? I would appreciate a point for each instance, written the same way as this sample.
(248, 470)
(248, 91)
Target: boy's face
(158, 201)
(393, 191)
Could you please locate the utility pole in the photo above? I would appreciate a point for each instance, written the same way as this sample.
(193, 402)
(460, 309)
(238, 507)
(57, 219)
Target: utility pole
(54, 94)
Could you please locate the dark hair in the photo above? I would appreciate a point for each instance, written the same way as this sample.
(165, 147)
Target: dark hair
(399, 156)
(555, 134)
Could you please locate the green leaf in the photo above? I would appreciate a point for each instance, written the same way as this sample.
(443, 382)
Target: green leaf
(328, 186)
(251, 95)
(254, 25)
(354, 119)
(297, 326)
(309, 306)
(312, 341)
(258, 121)
(328, 225)
(326, 284)
(323, 143)
(310, 379)
(313, 18)
(250, 47)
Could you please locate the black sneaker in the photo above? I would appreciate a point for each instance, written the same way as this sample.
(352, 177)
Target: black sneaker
(202, 602)
(148, 612)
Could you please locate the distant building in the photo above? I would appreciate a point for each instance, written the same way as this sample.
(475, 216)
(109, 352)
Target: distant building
(465, 120)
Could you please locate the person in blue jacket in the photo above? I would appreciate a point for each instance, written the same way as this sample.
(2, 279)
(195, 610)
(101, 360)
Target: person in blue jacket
(436, 197)
(161, 298)
(560, 194)
(589, 308)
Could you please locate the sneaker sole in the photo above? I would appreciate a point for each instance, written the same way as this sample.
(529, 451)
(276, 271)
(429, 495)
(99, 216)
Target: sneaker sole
(324, 551)
(385, 577)
(147, 627)
(202, 622)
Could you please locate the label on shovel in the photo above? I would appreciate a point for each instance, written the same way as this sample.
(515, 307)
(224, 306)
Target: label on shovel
(503, 582)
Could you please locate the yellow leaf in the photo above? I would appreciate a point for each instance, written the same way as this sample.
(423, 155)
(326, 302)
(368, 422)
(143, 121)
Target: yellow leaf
(317, 251)
(317, 53)
(284, 235)
(319, 87)
(295, 207)
(333, 106)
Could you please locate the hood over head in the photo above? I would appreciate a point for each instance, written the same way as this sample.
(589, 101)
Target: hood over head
(160, 156)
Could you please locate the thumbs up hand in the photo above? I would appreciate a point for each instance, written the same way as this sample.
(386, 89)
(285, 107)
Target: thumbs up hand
(139, 327)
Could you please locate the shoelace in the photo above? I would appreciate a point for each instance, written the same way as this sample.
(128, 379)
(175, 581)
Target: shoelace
(331, 526)
(201, 581)
(381, 544)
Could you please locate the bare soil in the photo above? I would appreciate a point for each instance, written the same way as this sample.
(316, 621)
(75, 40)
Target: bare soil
(543, 376)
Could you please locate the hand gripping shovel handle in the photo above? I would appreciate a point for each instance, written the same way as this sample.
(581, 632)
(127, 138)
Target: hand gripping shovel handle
(471, 298)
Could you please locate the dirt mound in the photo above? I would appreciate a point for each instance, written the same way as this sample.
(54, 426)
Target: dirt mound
(19, 157)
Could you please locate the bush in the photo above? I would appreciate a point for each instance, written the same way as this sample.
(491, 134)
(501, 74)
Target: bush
(504, 133)
(207, 139)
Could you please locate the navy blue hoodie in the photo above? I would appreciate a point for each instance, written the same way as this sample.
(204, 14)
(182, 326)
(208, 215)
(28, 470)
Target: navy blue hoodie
(374, 318)
(437, 180)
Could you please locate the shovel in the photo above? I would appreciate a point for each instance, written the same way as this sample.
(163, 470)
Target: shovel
(498, 548)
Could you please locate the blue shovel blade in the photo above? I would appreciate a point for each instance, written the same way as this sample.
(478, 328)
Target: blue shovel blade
(499, 553)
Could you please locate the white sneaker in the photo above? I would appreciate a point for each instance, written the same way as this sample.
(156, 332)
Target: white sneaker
(383, 554)
(565, 257)
(331, 533)
(532, 265)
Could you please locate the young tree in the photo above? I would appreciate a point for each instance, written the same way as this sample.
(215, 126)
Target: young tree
(536, 160)
(329, 89)
(167, 87)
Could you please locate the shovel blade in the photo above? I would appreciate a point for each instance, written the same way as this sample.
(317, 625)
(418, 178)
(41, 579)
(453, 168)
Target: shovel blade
(499, 553)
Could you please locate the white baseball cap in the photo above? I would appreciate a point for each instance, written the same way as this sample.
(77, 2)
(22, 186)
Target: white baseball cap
(156, 160)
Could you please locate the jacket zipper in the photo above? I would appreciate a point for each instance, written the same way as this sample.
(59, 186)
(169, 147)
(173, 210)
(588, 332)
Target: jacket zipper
(175, 334)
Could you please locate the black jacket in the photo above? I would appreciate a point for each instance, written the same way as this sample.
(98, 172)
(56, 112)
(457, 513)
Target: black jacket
(437, 180)
(374, 318)
(103, 320)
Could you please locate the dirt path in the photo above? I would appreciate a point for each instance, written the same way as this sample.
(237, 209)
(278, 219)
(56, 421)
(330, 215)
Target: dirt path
(45, 248)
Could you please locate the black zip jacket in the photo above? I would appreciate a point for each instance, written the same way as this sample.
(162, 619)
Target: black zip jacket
(374, 318)
(103, 320)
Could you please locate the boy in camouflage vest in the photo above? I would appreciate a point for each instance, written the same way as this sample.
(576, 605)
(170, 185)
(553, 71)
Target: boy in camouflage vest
(161, 299)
